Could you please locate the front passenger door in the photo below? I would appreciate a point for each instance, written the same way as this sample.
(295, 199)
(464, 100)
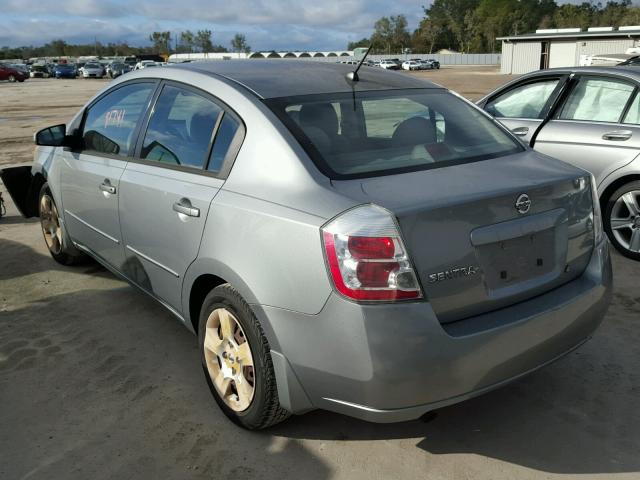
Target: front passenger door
(90, 176)
(522, 108)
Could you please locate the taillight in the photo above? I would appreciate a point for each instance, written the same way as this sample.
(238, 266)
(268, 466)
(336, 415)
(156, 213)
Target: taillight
(367, 258)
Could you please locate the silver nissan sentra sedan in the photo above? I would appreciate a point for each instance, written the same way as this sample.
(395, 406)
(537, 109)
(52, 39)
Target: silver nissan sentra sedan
(378, 248)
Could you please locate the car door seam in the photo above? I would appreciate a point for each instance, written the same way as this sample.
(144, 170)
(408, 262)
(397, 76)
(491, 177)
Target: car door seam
(97, 230)
(149, 259)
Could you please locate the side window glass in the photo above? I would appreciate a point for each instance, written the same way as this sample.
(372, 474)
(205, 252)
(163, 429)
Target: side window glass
(633, 115)
(526, 101)
(111, 122)
(224, 137)
(180, 129)
(597, 100)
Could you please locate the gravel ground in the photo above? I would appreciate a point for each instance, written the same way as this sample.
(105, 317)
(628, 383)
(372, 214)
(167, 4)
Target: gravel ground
(98, 381)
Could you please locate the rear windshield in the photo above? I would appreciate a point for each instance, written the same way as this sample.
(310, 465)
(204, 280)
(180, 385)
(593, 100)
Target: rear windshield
(383, 132)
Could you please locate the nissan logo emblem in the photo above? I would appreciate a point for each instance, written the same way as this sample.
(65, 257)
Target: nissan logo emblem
(523, 204)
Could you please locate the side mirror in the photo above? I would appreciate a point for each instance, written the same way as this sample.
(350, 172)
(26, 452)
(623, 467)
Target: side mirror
(52, 136)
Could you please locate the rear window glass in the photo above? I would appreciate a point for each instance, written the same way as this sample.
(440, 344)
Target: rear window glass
(376, 133)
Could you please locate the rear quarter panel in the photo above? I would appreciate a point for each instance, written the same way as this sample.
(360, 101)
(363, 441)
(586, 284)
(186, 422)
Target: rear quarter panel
(270, 253)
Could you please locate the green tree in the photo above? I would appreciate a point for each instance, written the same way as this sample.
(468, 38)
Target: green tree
(390, 34)
(203, 41)
(363, 42)
(161, 42)
(187, 40)
(426, 35)
(239, 43)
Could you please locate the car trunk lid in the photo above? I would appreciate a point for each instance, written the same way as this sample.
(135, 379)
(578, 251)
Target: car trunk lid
(472, 249)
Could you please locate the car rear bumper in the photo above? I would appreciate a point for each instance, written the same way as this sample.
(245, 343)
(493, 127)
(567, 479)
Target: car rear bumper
(390, 363)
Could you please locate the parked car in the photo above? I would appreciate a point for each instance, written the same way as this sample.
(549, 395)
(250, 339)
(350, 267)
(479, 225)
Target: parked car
(65, 70)
(399, 252)
(38, 71)
(590, 117)
(115, 69)
(411, 65)
(389, 65)
(51, 67)
(22, 67)
(434, 63)
(420, 65)
(11, 74)
(92, 70)
(144, 64)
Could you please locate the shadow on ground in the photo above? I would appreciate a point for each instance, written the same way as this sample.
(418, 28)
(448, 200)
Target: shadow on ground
(19, 260)
(106, 384)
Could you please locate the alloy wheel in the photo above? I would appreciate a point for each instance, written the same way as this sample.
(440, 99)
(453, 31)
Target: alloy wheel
(229, 360)
(50, 223)
(625, 220)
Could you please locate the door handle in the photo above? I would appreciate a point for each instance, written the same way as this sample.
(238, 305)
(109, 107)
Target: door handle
(618, 135)
(520, 131)
(184, 207)
(107, 187)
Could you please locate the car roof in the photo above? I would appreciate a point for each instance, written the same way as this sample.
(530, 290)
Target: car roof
(631, 72)
(286, 78)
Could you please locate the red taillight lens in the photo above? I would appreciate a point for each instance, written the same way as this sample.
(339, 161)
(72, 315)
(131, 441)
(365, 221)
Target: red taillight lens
(371, 247)
(375, 274)
(367, 258)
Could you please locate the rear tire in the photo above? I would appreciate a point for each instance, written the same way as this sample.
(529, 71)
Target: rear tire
(53, 231)
(12, 78)
(622, 220)
(251, 406)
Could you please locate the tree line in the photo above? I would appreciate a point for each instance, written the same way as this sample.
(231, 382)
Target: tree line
(471, 26)
(162, 43)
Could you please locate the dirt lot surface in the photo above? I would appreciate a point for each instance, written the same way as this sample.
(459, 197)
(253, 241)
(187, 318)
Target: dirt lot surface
(98, 381)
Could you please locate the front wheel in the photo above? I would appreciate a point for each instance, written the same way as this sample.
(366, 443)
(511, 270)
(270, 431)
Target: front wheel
(622, 220)
(12, 78)
(236, 360)
(53, 232)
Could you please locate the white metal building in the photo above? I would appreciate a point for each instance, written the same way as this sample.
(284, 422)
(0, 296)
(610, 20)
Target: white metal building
(563, 47)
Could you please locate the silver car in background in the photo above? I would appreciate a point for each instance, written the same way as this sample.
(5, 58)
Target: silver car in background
(92, 70)
(378, 248)
(589, 117)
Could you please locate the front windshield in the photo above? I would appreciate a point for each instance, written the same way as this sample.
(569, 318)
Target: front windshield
(376, 133)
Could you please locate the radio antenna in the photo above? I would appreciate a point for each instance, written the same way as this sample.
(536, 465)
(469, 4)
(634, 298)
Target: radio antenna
(353, 76)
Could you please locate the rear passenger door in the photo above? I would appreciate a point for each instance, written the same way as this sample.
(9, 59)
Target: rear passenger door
(596, 127)
(166, 190)
(522, 107)
(90, 175)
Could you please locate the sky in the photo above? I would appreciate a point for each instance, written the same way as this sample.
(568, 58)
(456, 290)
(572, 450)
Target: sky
(267, 24)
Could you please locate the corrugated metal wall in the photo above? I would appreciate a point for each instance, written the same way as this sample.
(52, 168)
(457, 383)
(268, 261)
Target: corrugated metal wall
(562, 54)
(447, 59)
(526, 57)
(597, 47)
(507, 58)
(444, 59)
